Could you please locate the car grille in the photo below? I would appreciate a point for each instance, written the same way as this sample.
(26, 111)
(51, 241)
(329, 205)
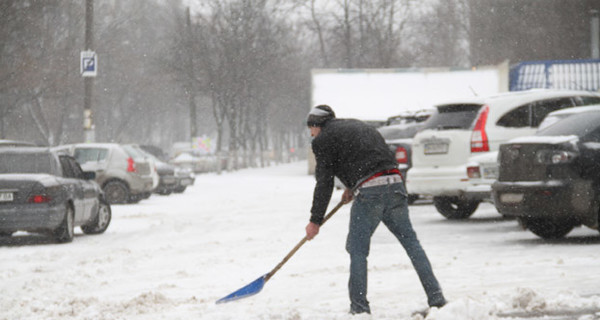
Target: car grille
(518, 163)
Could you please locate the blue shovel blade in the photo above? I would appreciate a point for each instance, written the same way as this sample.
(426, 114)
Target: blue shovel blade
(251, 289)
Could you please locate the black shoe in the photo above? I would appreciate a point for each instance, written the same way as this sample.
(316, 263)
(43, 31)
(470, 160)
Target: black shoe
(355, 312)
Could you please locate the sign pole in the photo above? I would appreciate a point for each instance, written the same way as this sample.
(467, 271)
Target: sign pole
(88, 77)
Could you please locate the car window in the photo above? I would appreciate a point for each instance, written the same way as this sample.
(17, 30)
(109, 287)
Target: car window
(516, 118)
(133, 152)
(542, 108)
(26, 163)
(586, 100)
(67, 168)
(580, 124)
(594, 136)
(83, 155)
(77, 171)
(400, 132)
(453, 116)
(71, 168)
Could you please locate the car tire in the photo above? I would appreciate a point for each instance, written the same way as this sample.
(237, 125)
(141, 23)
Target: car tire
(179, 189)
(546, 228)
(455, 208)
(135, 198)
(64, 233)
(116, 192)
(100, 223)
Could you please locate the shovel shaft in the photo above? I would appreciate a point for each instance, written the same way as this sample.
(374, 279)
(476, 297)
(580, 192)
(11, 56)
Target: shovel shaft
(302, 242)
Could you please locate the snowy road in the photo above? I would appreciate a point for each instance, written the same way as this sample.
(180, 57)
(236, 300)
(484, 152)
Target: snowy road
(172, 257)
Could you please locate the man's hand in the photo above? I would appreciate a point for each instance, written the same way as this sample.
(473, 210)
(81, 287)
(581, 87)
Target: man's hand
(312, 229)
(347, 196)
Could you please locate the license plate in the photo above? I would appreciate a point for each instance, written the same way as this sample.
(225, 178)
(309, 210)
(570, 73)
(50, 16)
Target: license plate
(511, 197)
(490, 173)
(6, 196)
(186, 182)
(436, 148)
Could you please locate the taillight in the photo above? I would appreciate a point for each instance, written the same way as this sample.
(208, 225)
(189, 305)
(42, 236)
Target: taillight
(479, 139)
(130, 165)
(473, 172)
(401, 155)
(39, 198)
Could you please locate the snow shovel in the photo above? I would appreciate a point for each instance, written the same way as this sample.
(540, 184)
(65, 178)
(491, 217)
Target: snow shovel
(256, 286)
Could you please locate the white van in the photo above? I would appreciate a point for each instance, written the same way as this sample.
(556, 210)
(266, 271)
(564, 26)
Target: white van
(461, 129)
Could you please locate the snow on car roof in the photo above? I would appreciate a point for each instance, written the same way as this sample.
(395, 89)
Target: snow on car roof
(544, 139)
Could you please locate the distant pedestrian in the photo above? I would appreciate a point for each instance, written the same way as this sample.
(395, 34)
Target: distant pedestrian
(357, 154)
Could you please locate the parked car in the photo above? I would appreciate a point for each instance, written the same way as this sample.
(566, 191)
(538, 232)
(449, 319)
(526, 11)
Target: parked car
(184, 176)
(551, 181)
(410, 116)
(124, 174)
(166, 173)
(197, 163)
(399, 136)
(44, 191)
(461, 129)
(482, 169)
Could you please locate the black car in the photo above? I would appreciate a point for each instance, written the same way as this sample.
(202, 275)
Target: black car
(551, 181)
(399, 138)
(45, 191)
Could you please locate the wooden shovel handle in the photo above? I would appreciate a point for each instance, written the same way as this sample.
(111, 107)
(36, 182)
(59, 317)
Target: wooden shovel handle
(289, 255)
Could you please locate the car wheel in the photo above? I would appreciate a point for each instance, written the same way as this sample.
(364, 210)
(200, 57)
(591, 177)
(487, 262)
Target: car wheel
(454, 208)
(548, 229)
(116, 192)
(100, 223)
(166, 192)
(64, 233)
(179, 189)
(134, 198)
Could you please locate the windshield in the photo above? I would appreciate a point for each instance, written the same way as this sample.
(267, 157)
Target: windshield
(579, 124)
(453, 116)
(25, 163)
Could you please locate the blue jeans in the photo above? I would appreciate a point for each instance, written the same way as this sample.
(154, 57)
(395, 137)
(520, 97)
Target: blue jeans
(387, 204)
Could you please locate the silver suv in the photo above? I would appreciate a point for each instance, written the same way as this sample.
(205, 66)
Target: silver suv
(459, 130)
(124, 174)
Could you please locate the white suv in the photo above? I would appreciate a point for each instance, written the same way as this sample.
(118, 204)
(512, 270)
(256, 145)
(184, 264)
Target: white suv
(459, 130)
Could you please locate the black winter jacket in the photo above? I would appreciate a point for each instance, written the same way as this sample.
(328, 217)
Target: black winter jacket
(350, 150)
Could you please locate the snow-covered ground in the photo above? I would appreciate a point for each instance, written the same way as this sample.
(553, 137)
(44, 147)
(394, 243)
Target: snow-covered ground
(173, 257)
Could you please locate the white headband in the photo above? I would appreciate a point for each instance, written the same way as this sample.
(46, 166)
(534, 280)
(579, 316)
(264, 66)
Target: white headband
(319, 112)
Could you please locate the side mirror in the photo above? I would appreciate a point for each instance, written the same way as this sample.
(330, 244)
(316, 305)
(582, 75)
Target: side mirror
(89, 175)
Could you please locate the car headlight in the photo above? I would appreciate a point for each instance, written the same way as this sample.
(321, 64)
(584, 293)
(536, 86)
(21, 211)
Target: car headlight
(555, 156)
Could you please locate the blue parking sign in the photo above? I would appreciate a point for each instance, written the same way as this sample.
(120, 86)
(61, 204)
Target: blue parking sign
(88, 64)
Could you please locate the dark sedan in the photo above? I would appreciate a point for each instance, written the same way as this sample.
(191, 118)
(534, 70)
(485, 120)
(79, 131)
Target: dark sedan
(551, 181)
(44, 191)
(399, 138)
